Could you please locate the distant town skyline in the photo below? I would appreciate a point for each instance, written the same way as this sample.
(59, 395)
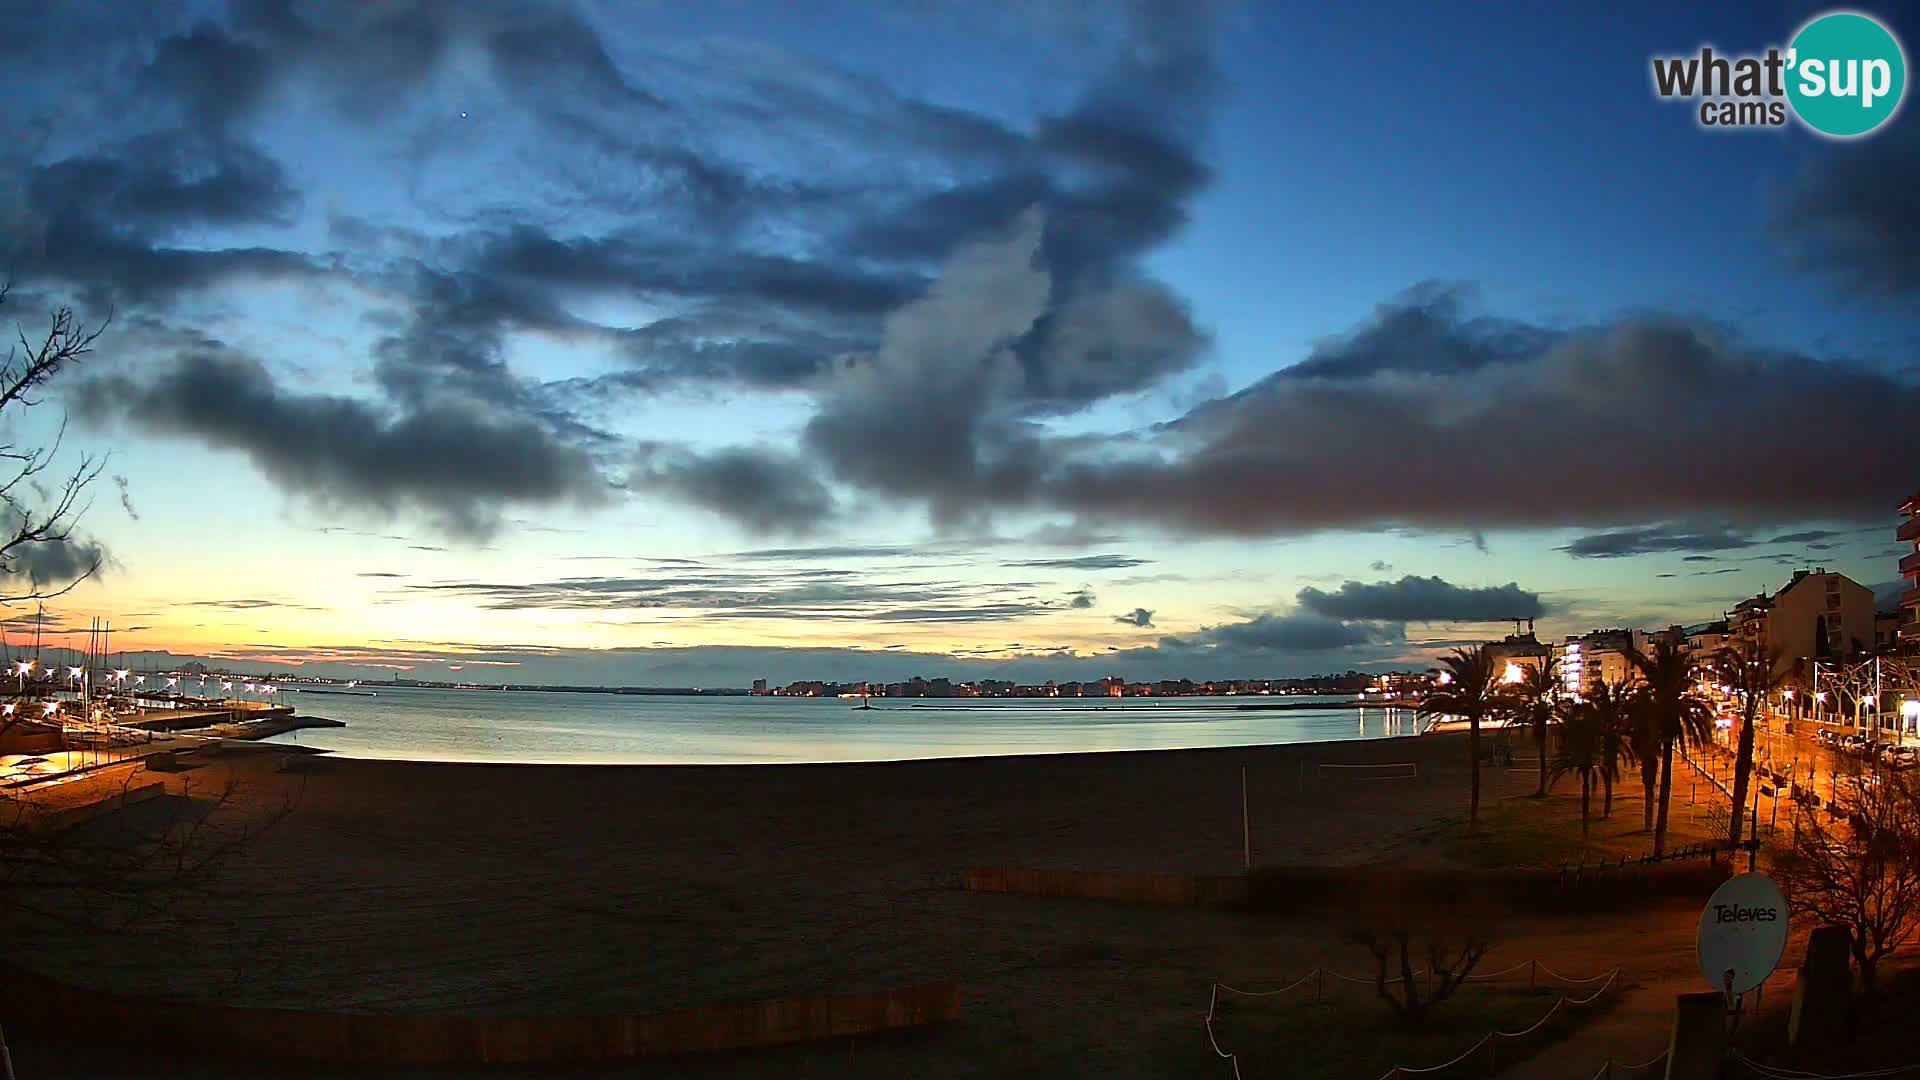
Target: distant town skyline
(652, 345)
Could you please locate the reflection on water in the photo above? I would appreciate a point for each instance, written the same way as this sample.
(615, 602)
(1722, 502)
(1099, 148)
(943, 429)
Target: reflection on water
(482, 725)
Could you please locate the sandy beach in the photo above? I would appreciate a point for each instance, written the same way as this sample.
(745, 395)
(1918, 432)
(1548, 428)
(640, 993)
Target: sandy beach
(516, 890)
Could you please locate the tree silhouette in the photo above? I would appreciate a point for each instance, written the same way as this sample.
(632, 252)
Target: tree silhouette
(38, 560)
(1752, 672)
(1583, 753)
(1676, 714)
(1468, 691)
(1535, 701)
(1610, 707)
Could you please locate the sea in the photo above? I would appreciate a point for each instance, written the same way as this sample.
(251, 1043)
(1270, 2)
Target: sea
(535, 726)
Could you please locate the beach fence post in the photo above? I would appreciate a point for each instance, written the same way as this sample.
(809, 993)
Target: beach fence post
(1533, 975)
(1246, 829)
(6, 1059)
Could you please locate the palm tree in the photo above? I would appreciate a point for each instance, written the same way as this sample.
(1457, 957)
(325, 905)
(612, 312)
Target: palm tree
(1611, 706)
(1583, 750)
(1752, 671)
(1675, 711)
(1467, 690)
(1643, 746)
(1535, 701)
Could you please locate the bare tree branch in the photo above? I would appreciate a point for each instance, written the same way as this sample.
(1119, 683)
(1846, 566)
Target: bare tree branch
(33, 517)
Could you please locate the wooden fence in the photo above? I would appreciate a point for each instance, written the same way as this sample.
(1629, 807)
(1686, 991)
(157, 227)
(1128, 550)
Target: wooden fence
(381, 1040)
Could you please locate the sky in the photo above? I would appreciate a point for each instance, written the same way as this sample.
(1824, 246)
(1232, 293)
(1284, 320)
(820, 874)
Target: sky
(665, 344)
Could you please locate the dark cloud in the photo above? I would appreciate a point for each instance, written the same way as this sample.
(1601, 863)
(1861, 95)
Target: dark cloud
(1140, 617)
(1427, 330)
(765, 491)
(990, 344)
(1082, 598)
(640, 186)
(156, 185)
(1854, 215)
(1083, 562)
(50, 564)
(834, 551)
(1421, 599)
(812, 595)
(459, 465)
(126, 496)
(1380, 566)
(109, 222)
(211, 75)
(1621, 543)
(1294, 632)
(1298, 454)
(249, 605)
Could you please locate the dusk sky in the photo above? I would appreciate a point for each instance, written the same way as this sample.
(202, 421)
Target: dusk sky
(658, 343)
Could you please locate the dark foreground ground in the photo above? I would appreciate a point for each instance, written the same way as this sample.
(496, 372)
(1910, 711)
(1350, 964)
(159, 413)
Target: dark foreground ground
(572, 890)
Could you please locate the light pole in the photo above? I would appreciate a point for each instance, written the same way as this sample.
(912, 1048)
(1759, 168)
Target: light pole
(1910, 714)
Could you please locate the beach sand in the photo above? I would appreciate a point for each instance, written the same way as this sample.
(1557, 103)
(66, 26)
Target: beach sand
(519, 889)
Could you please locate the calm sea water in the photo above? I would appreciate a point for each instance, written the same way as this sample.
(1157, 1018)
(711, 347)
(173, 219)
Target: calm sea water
(486, 725)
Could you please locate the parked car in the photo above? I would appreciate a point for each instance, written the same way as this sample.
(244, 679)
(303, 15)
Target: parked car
(1900, 757)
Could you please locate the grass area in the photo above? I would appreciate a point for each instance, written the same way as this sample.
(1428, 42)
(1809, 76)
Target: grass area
(1355, 1037)
(1525, 832)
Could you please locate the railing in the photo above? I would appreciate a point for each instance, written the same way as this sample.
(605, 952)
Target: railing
(1488, 1043)
(1574, 873)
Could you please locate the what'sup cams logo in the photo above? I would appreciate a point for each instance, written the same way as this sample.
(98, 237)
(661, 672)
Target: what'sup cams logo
(1843, 75)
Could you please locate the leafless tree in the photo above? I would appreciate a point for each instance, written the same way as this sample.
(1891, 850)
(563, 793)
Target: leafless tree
(1860, 868)
(34, 513)
(1406, 928)
(1448, 961)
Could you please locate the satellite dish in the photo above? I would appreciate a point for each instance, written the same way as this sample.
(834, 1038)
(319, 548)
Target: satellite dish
(1743, 933)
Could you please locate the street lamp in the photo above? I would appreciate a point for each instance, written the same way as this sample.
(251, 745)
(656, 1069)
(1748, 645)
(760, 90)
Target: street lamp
(1910, 712)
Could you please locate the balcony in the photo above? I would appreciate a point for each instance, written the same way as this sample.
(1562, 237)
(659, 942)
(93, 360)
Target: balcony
(1910, 564)
(1909, 529)
(1910, 598)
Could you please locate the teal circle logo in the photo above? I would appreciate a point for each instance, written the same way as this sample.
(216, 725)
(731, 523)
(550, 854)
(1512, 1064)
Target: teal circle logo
(1846, 74)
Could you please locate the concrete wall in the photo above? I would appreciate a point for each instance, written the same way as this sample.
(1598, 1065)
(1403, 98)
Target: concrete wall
(381, 1040)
